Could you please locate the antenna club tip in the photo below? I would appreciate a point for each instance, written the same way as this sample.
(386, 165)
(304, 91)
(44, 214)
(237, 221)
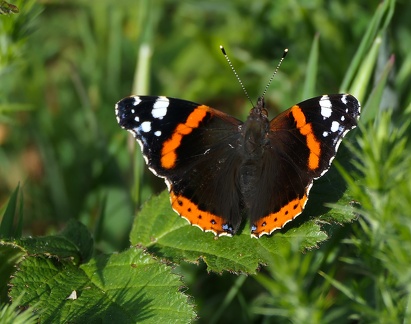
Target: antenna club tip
(222, 49)
(285, 52)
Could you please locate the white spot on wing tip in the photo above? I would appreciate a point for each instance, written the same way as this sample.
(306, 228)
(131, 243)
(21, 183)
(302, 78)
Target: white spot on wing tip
(146, 126)
(335, 126)
(137, 100)
(160, 107)
(326, 106)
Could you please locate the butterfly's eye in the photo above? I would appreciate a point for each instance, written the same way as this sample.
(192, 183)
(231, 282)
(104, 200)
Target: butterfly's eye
(264, 112)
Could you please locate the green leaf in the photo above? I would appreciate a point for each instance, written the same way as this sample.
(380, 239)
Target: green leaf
(127, 287)
(165, 234)
(10, 255)
(78, 235)
(74, 242)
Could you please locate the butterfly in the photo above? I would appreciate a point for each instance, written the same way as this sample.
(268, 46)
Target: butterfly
(220, 170)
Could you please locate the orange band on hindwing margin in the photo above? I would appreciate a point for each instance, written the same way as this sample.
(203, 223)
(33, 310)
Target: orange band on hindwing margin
(268, 224)
(203, 219)
(168, 152)
(306, 130)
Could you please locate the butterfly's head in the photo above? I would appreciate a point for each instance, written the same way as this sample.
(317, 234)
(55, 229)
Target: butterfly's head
(260, 109)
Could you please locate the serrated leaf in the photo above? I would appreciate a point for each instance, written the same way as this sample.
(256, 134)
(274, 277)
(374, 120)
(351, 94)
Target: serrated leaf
(158, 228)
(73, 242)
(127, 287)
(10, 255)
(79, 235)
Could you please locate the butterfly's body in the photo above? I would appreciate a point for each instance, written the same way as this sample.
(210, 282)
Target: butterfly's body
(220, 170)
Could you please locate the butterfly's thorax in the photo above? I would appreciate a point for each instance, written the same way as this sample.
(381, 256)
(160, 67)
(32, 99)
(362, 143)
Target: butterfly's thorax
(255, 141)
(254, 132)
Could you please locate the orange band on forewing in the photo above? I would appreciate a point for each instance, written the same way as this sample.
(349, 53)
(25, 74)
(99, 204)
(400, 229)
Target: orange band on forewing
(268, 224)
(168, 152)
(312, 143)
(190, 211)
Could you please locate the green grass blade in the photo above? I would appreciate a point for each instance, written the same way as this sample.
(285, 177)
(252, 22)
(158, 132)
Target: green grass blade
(312, 68)
(365, 73)
(141, 85)
(11, 313)
(228, 298)
(19, 228)
(344, 289)
(385, 9)
(6, 226)
(371, 108)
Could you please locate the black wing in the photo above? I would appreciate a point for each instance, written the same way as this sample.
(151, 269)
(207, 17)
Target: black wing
(304, 141)
(195, 149)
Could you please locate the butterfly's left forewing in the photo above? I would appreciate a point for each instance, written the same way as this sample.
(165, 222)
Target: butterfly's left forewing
(195, 149)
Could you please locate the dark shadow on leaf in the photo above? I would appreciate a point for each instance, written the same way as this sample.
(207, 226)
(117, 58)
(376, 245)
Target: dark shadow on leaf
(119, 307)
(122, 308)
(327, 190)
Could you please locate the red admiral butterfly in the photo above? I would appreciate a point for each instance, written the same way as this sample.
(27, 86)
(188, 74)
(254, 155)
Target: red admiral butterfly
(219, 169)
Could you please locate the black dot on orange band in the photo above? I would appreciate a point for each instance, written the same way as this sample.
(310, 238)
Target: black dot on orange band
(263, 224)
(213, 222)
(295, 206)
(275, 219)
(180, 202)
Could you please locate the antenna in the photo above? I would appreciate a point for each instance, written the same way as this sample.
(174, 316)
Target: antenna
(235, 73)
(275, 71)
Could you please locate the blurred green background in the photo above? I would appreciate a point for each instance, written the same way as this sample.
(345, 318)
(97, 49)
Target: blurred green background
(64, 65)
